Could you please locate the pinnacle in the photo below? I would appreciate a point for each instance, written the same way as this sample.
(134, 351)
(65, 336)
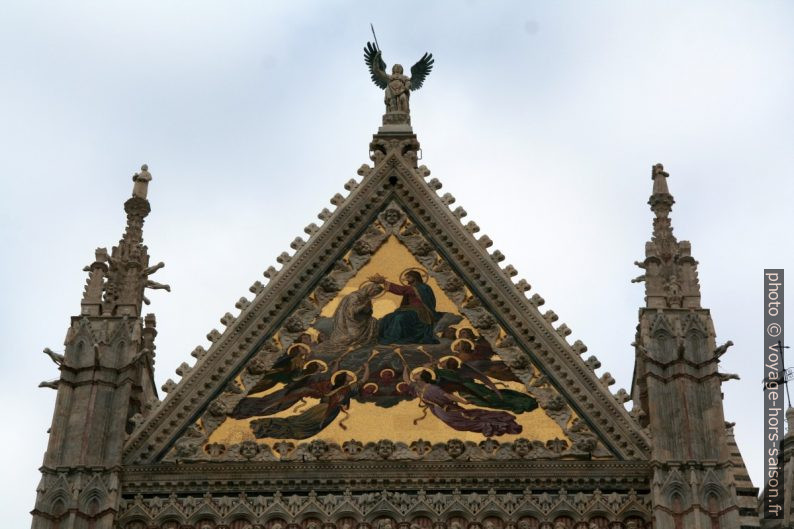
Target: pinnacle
(661, 201)
(670, 271)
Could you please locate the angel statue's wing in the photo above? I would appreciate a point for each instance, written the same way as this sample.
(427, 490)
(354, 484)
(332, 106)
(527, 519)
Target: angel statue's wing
(420, 70)
(373, 58)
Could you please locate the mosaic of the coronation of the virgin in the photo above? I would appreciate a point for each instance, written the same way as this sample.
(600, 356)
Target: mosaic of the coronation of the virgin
(391, 356)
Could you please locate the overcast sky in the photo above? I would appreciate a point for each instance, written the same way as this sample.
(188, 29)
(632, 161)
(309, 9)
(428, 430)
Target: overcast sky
(543, 119)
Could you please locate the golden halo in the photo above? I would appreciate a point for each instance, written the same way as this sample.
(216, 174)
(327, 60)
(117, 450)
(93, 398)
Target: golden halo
(443, 360)
(417, 370)
(370, 385)
(299, 345)
(461, 330)
(402, 387)
(323, 365)
(345, 371)
(382, 371)
(461, 340)
(376, 296)
(421, 271)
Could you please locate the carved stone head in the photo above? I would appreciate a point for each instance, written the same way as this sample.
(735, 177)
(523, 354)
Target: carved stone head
(249, 449)
(420, 447)
(362, 247)
(385, 448)
(521, 447)
(352, 447)
(215, 449)
(283, 448)
(392, 216)
(455, 448)
(489, 445)
(317, 448)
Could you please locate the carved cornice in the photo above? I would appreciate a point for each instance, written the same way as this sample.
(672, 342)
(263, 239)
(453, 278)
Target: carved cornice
(398, 475)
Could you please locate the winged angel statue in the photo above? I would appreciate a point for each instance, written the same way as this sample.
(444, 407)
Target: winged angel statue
(398, 87)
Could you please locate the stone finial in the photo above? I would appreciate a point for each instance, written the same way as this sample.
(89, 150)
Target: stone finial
(227, 319)
(607, 379)
(256, 287)
(622, 396)
(563, 330)
(485, 241)
(523, 285)
(448, 199)
(337, 200)
(661, 200)
(95, 284)
(434, 184)
(537, 300)
(510, 270)
(670, 271)
(128, 268)
(593, 363)
(242, 303)
(141, 179)
(472, 227)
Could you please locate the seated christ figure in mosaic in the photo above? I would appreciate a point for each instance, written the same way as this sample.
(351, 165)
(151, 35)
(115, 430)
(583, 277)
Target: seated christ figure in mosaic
(416, 317)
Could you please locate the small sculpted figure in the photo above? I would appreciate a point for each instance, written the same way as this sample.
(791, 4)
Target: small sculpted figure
(141, 180)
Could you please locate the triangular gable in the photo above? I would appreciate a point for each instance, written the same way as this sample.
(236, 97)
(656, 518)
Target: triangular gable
(467, 276)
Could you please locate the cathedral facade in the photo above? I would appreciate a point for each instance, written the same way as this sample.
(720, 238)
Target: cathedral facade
(391, 373)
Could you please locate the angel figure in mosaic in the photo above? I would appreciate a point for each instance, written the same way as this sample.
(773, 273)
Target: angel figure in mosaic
(476, 388)
(335, 399)
(309, 381)
(422, 382)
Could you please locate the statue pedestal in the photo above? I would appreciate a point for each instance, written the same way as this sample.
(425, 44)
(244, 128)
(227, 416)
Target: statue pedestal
(396, 123)
(401, 129)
